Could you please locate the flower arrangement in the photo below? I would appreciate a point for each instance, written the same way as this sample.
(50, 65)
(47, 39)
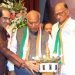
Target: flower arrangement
(45, 59)
(12, 5)
(17, 23)
(7, 4)
(17, 6)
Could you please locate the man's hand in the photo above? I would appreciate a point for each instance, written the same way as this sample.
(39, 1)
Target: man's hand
(31, 65)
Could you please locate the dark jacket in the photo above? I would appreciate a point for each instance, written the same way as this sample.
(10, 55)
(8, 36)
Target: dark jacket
(5, 53)
(44, 40)
(32, 38)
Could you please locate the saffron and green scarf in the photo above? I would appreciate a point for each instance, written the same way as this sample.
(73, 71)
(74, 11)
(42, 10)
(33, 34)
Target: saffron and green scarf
(25, 40)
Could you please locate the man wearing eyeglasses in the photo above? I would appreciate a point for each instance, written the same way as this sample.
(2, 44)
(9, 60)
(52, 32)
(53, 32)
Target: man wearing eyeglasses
(5, 46)
(63, 35)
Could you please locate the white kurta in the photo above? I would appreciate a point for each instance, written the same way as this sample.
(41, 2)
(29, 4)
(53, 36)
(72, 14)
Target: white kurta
(68, 40)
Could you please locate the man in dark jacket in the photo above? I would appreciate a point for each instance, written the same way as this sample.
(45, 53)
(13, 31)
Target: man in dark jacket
(31, 43)
(5, 53)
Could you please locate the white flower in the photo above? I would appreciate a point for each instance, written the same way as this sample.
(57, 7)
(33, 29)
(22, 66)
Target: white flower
(18, 22)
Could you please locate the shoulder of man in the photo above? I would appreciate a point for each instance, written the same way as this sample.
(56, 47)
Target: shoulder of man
(55, 25)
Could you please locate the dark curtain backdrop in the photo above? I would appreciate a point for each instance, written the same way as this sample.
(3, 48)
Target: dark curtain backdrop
(48, 13)
(31, 4)
(46, 16)
(49, 8)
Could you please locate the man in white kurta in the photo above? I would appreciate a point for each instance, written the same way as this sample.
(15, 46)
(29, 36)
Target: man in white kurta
(68, 40)
(67, 30)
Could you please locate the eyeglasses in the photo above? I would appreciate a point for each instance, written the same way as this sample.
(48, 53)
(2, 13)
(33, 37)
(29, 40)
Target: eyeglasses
(6, 18)
(60, 13)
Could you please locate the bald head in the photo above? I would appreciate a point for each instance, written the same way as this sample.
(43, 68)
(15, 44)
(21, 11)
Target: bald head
(4, 20)
(33, 15)
(33, 20)
(5, 12)
(60, 6)
(61, 12)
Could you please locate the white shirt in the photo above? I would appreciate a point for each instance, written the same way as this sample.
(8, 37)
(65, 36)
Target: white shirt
(68, 40)
(12, 45)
